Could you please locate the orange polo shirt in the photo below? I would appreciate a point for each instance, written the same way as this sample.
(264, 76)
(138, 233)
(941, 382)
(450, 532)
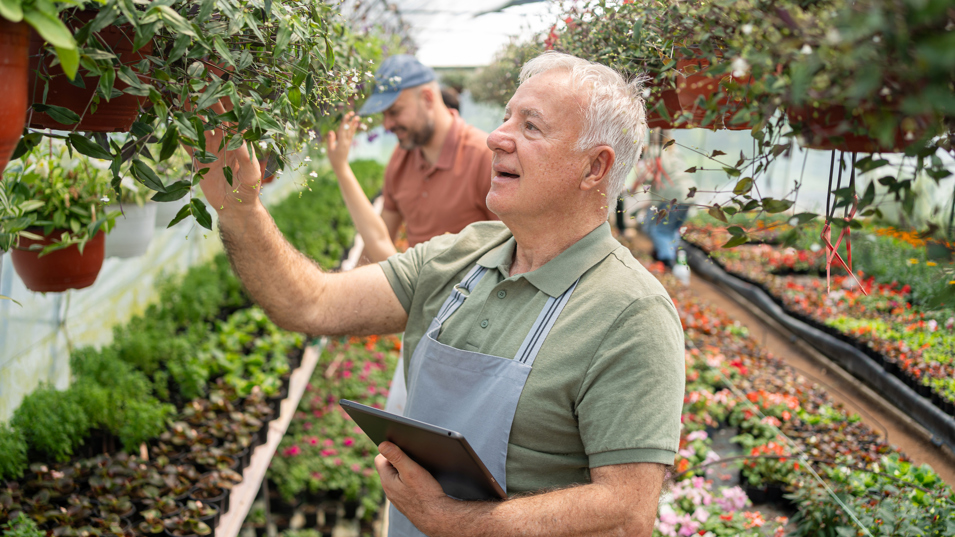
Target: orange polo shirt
(444, 197)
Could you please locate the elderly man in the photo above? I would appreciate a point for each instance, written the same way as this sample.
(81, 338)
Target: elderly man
(540, 338)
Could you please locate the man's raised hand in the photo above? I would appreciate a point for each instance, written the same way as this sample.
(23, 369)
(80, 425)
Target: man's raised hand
(246, 173)
(339, 142)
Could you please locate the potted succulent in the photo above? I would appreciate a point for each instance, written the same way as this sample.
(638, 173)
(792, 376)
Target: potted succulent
(120, 506)
(152, 523)
(62, 199)
(186, 525)
(133, 230)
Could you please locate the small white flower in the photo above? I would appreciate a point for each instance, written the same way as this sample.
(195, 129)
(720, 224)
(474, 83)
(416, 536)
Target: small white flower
(884, 91)
(833, 36)
(263, 144)
(313, 174)
(815, 247)
(747, 28)
(311, 135)
(740, 67)
(308, 159)
(104, 199)
(279, 172)
(646, 93)
(806, 49)
(876, 39)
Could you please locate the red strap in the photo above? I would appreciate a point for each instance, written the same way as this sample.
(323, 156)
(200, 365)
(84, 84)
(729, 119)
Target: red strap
(832, 252)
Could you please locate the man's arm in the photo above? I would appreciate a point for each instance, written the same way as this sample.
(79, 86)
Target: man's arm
(392, 222)
(295, 293)
(621, 500)
(371, 227)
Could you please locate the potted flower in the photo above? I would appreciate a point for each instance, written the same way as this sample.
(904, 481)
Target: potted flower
(63, 247)
(133, 231)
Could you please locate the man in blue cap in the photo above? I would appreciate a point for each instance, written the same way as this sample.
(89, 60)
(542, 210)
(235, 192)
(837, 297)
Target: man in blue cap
(438, 177)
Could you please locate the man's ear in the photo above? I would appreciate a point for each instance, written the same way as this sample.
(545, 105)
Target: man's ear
(601, 159)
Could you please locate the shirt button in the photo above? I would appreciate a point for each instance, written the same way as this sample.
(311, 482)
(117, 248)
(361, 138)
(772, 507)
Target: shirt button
(501, 294)
(484, 323)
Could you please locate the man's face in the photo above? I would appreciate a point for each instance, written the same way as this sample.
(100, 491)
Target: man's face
(409, 118)
(537, 168)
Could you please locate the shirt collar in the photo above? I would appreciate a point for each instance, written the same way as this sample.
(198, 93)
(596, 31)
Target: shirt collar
(558, 274)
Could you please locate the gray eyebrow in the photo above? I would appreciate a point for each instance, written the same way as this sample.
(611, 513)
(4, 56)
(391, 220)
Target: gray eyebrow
(528, 112)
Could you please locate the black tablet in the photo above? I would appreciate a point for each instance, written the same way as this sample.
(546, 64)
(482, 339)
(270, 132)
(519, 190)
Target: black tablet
(446, 454)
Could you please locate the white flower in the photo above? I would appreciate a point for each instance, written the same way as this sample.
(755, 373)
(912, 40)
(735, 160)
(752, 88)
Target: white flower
(884, 91)
(263, 144)
(308, 159)
(806, 49)
(747, 28)
(833, 36)
(646, 93)
(876, 39)
(740, 67)
(104, 199)
(815, 247)
(313, 174)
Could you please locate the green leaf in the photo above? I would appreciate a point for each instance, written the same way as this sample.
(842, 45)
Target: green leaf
(58, 113)
(295, 97)
(267, 122)
(732, 172)
(88, 147)
(223, 50)
(773, 206)
(50, 28)
(181, 215)
(736, 241)
(144, 173)
(669, 143)
(201, 213)
(717, 213)
(227, 171)
(179, 47)
(868, 197)
(175, 21)
(246, 113)
(27, 143)
(11, 10)
(690, 170)
(170, 141)
(717, 153)
(743, 186)
(282, 39)
(868, 164)
(4, 297)
(736, 231)
(174, 191)
(804, 218)
(329, 53)
(106, 80)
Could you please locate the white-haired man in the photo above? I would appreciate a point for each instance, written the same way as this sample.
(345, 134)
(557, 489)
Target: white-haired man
(539, 337)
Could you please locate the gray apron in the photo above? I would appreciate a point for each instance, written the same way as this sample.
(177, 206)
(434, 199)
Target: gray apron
(472, 393)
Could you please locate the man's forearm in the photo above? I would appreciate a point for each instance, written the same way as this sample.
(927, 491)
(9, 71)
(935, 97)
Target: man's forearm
(589, 510)
(378, 244)
(280, 278)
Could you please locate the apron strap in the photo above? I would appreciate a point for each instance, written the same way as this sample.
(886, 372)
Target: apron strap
(545, 321)
(456, 298)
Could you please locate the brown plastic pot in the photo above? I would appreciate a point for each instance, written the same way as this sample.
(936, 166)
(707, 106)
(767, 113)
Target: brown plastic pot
(834, 127)
(115, 115)
(663, 95)
(61, 269)
(14, 38)
(693, 82)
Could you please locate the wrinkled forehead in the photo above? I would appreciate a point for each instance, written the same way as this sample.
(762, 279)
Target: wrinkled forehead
(553, 92)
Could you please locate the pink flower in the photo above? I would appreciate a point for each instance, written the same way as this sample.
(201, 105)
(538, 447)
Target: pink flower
(329, 442)
(697, 435)
(356, 467)
(307, 425)
(337, 462)
(329, 452)
(292, 451)
(318, 476)
(349, 442)
(346, 374)
(313, 441)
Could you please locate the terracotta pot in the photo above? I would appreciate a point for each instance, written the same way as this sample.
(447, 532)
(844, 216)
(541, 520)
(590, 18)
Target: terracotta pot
(14, 38)
(115, 115)
(59, 270)
(834, 127)
(663, 96)
(693, 82)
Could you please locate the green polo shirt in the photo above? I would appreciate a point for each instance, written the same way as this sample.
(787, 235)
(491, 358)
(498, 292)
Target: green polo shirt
(607, 385)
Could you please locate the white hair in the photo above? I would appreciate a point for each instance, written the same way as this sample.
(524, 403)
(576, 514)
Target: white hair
(614, 113)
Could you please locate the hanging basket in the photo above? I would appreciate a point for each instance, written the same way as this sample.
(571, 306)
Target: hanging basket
(663, 106)
(61, 269)
(829, 127)
(133, 232)
(14, 40)
(115, 115)
(694, 82)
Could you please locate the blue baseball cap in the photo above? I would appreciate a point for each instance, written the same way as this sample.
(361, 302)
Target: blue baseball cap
(397, 73)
